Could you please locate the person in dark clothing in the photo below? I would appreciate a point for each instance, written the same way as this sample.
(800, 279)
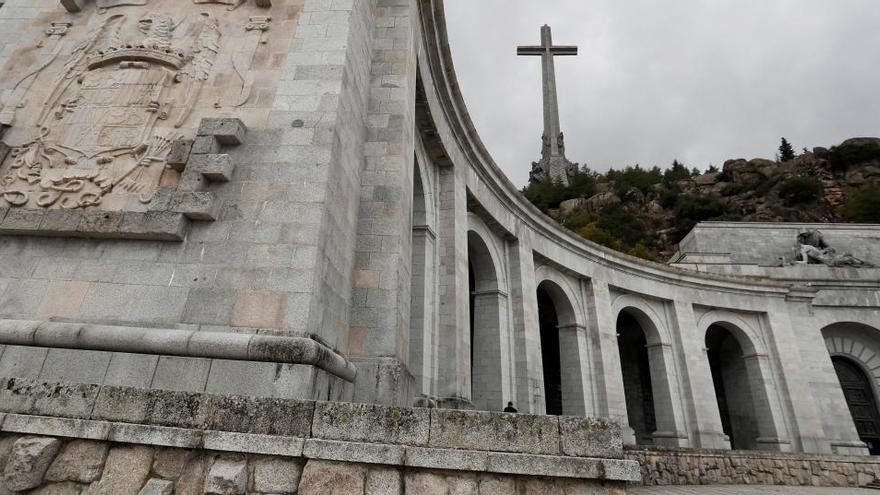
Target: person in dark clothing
(510, 408)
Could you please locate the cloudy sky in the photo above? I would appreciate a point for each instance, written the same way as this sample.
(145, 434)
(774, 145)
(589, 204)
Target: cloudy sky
(700, 81)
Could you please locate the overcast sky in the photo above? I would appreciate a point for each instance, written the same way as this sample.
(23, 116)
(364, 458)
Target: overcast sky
(700, 81)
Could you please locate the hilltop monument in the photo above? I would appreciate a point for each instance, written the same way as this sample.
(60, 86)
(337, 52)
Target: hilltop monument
(553, 163)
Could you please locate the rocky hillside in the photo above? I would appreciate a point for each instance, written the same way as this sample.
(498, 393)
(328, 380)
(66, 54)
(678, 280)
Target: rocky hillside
(646, 212)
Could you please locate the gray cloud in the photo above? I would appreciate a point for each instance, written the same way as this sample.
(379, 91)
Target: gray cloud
(700, 80)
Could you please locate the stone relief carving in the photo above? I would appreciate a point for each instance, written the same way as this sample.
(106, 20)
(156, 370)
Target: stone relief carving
(812, 249)
(259, 27)
(97, 136)
(101, 112)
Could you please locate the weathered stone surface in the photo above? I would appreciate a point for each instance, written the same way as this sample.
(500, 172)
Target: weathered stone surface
(64, 488)
(571, 205)
(168, 463)
(425, 483)
(28, 461)
(371, 423)
(157, 486)
(205, 145)
(227, 477)
(230, 131)
(125, 472)
(332, 478)
(496, 485)
(80, 460)
(179, 154)
(192, 481)
(462, 485)
(588, 437)
(265, 416)
(384, 481)
(277, 475)
(495, 432)
(214, 167)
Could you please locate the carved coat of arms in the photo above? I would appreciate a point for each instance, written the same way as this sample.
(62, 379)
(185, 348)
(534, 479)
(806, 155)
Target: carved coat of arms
(111, 116)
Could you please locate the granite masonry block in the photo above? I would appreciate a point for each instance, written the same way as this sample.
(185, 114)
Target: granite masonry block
(179, 154)
(262, 416)
(205, 145)
(28, 461)
(214, 167)
(474, 430)
(588, 437)
(228, 131)
(197, 205)
(371, 423)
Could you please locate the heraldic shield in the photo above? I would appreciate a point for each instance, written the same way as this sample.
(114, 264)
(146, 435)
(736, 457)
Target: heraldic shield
(107, 126)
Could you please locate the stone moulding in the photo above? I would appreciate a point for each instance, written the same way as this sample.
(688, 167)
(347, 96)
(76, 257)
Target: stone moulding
(581, 448)
(174, 342)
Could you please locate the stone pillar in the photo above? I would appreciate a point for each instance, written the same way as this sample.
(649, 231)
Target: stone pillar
(607, 368)
(423, 337)
(802, 399)
(768, 412)
(671, 428)
(705, 418)
(575, 361)
(490, 377)
(380, 319)
(454, 374)
(529, 386)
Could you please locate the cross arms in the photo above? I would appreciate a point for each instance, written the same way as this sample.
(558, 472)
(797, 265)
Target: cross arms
(540, 50)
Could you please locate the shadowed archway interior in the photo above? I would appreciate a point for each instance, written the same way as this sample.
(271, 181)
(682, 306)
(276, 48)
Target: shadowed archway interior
(860, 400)
(732, 390)
(638, 389)
(550, 356)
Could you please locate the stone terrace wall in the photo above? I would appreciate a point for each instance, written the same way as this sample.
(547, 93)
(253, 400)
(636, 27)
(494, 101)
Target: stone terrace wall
(71, 467)
(701, 467)
(115, 440)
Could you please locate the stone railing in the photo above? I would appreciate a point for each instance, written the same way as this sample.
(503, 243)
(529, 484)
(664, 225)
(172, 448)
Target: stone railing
(124, 440)
(701, 467)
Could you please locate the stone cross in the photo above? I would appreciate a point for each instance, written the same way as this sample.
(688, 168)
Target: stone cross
(553, 154)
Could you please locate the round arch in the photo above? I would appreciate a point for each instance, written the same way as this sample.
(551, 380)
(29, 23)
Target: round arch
(650, 321)
(560, 291)
(854, 349)
(749, 405)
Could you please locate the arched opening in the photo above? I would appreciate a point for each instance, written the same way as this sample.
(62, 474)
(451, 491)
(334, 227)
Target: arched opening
(563, 342)
(485, 327)
(636, 368)
(548, 320)
(733, 392)
(859, 394)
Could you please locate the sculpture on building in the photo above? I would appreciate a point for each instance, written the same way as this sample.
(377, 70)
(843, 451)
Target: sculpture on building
(812, 249)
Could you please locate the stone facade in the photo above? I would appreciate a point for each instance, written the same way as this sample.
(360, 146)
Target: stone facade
(697, 467)
(350, 239)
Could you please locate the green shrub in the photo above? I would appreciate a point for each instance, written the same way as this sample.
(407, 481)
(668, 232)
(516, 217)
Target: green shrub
(800, 191)
(863, 205)
(579, 220)
(547, 195)
(846, 155)
(638, 177)
(622, 224)
(593, 232)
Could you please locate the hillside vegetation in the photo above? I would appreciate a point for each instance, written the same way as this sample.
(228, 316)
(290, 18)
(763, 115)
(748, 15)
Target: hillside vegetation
(646, 212)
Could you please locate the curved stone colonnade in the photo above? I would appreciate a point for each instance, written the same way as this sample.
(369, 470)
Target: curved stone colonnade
(650, 345)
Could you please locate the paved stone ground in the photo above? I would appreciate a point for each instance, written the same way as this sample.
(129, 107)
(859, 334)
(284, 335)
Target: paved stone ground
(746, 490)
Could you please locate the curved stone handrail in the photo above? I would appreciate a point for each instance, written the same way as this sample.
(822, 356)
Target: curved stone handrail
(174, 342)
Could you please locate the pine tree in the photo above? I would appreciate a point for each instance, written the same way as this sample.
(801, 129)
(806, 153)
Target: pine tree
(786, 152)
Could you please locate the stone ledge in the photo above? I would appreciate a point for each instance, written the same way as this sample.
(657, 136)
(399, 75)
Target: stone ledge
(355, 452)
(149, 225)
(362, 433)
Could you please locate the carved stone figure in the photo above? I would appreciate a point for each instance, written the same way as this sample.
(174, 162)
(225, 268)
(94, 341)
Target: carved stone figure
(812, 249)
(97, 138)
